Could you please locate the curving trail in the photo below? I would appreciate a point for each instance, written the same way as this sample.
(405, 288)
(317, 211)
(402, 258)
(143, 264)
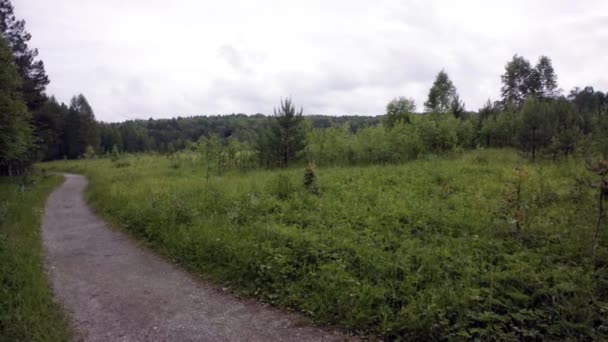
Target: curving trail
(116, 290)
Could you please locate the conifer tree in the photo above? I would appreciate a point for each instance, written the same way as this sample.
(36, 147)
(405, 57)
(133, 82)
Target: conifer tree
(16, 136)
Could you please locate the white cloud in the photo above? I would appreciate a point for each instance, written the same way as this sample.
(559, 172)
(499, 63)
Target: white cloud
(142, 58)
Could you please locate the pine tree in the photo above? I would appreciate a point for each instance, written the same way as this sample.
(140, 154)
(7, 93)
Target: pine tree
(16, 136)
(285, 138)
(31, 70)
(81, 129)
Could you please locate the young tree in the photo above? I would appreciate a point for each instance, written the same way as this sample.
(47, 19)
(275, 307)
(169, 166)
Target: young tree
(399, 110)
(16, 136)
(536, 128)
(566, 126)
(457, 108)
(442, 95)
(285, 138)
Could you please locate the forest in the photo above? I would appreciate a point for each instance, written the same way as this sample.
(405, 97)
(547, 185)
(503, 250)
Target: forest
(533, 115)
(428, 221)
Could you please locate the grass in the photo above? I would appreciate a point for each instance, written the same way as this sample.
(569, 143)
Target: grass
(27, 311)
(424, 250)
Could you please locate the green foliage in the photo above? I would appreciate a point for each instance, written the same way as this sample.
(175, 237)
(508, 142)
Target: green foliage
(115, 155)
(27, 310)
(81, 129)
(16, 136)
(536, 131)
(443, 97)
(521, 80)
(310, 179)
(282, 187)
(284, 139)
(399, 111)
(89, 152)
(438, 133)
(30, 70)
(419, 251)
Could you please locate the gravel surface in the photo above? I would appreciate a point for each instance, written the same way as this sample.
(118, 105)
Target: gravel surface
(116, 290)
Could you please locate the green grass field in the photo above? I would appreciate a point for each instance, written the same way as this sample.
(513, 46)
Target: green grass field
(424, 250)
(27, 311)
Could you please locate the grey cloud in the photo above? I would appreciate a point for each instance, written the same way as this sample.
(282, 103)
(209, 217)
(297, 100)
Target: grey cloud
(233, 57)
(142, 58)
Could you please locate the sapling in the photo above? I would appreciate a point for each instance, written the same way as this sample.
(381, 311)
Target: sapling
(310, 179)
(515, 200)
(601, 170)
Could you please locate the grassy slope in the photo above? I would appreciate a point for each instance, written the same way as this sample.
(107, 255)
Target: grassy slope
(422, 250)
(27, 311)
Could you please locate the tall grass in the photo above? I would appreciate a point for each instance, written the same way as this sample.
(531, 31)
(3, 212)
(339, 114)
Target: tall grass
(27, 311)
(423, 250)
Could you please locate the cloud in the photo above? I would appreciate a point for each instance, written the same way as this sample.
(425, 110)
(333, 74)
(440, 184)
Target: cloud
(153, 58)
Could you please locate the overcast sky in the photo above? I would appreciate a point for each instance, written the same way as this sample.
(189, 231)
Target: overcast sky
(163, 58)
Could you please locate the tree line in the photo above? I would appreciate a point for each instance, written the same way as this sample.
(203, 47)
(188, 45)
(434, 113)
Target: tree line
(32, 125)
(532, 115)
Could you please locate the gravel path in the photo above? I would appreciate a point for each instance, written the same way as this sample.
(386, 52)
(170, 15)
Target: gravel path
(116, 290)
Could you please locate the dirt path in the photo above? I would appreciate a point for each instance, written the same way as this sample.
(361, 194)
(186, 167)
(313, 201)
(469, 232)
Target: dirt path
(115, 290)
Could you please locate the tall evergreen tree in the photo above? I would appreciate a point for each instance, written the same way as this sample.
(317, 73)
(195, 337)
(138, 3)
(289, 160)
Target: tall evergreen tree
(442, 94)
(30, 69)
(49, 122)
(16, 136)
(81, 129)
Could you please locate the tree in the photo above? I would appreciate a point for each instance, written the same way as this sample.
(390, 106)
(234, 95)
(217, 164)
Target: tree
(16, 135)
(81, 129)
(545, 78)
(49, 121)
(399, 110)
(442, 95)
(587, 100)
(31, 70)
(517, 81)
(521, 80)
(285, 138)
(566, 124)
(457, 108)
(536, 129)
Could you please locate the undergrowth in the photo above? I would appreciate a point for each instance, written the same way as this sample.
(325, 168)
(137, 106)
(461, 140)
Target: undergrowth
(27, 311)
(419, 251)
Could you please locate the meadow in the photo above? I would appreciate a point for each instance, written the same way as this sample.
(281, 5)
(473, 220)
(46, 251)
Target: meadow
(481, 244)
(27, 310)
